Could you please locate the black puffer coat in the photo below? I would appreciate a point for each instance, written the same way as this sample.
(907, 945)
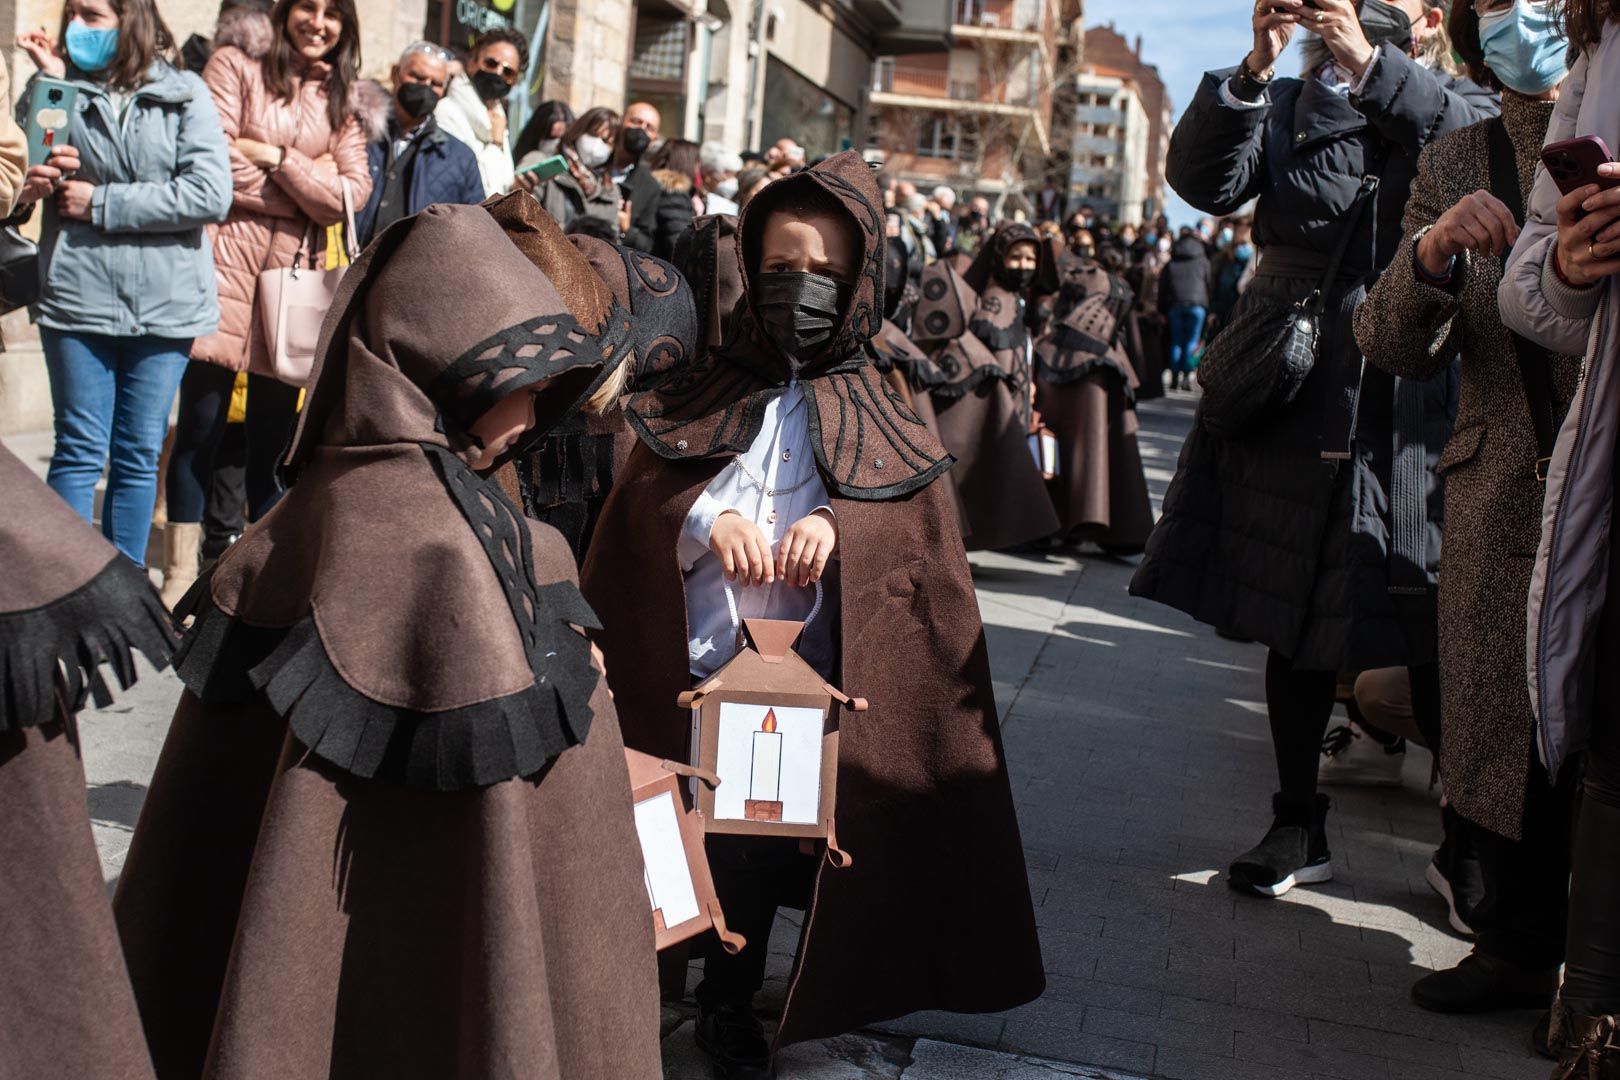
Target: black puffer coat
(1318, 532)
(1185, 282)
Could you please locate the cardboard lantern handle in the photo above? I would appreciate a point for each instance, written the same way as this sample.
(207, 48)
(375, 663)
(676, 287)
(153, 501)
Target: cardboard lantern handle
(730, 940)
(708, 776)
(840, 859)
(736, 620)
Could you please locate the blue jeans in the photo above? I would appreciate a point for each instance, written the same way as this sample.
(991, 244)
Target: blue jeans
(1186, 326)
(111, 396)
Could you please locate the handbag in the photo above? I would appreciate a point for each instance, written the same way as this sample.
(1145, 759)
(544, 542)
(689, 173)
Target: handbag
(293, 301)
(19, 270)
(1260, 359)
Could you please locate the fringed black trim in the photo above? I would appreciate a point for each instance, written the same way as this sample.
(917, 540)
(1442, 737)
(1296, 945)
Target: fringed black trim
(998, 338)
(226, 661)
(64, 643)
(978, 377)
(1067, 367)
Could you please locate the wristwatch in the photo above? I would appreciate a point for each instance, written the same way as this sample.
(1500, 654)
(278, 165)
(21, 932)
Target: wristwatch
(1261, 80)
(1249, 86)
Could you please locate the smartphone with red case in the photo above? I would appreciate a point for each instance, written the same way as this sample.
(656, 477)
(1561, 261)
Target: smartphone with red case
(1573, 163)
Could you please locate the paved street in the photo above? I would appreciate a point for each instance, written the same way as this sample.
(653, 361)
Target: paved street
(1141, 764)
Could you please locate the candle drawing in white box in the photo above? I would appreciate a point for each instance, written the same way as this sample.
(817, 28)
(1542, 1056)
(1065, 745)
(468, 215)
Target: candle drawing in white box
(764, 801)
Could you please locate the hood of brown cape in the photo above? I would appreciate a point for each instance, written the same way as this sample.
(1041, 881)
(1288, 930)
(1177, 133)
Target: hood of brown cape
(868, 442)
(395, 608)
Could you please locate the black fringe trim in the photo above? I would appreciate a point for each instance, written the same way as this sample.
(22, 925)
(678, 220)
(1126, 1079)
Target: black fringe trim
(226, 661)
(64, 643)
(998, 338)
(976, 379)
(1070, 367)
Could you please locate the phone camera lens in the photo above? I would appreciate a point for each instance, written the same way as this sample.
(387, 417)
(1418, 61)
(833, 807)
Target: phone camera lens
(53, 96)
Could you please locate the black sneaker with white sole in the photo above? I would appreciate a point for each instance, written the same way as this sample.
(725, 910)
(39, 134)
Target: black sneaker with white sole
(1294, 852)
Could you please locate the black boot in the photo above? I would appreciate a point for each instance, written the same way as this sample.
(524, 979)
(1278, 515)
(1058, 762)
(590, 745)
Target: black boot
(1586, 1047)
(734, 1039)
(1294, 852)
(1484, 983)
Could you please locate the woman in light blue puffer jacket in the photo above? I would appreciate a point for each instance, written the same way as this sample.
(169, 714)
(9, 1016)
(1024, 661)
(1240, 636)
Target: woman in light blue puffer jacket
(126, 269)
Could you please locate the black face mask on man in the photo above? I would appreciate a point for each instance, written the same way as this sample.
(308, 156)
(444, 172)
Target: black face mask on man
(489, 86)
(800, 311)
(416, 100)
(635, 141)
(1382, 21)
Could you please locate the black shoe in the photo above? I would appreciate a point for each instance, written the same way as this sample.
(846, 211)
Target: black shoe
(734, 1039)
(1294, 852)
(1484, 983)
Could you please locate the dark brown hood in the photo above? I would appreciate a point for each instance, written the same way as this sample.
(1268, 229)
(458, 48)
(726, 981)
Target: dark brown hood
(707, 255)
(869, 444)
(388, 607)
(664, 333)
(996, 319)
(69, 602)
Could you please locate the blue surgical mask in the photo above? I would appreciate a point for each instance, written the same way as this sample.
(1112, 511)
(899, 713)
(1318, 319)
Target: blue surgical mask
(1243, 252)
(90, 49)
(1523, 46)
(1224, 237)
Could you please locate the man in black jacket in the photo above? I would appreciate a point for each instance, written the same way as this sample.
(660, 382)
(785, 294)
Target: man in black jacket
(638, 217)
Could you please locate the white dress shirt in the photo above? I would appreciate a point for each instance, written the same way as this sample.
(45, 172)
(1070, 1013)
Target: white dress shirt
(773, 484)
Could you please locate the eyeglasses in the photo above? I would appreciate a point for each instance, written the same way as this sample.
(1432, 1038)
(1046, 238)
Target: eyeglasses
(505, 71)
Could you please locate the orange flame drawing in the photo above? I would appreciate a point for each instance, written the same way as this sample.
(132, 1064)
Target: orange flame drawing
(769, 725)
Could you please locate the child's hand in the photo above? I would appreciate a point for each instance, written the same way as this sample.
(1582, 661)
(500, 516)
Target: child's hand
(744, 553)
(806, 547)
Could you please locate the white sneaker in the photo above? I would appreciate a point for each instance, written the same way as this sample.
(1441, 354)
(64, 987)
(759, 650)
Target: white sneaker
(1351, 757)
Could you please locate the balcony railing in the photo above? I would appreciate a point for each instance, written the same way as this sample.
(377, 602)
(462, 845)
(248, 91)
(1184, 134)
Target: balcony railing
(992, 15)
(933, 83)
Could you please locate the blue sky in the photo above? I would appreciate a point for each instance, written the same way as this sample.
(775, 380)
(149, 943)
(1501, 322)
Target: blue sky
(1184, 38)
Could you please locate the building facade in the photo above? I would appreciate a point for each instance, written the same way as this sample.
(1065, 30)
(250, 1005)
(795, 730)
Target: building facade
(1109, 162)
(1106, 49)
(979, 116)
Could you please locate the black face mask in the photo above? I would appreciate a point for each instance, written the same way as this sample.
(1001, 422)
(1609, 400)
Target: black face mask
(1382, 22)
(1016, 280)
(800, 311)
(489, 86)
(416, 100)
(635, 141)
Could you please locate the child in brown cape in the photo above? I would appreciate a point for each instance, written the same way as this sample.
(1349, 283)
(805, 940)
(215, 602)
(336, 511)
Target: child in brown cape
(69, 602)
(1085, 389)
(390, 831)
(976, 327)
(779, 461)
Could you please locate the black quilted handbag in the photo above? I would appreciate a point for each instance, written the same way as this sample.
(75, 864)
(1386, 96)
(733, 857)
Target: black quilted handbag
(19, 270)
(1261, 358)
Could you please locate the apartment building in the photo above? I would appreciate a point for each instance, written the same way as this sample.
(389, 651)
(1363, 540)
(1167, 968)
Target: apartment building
(1109, 159)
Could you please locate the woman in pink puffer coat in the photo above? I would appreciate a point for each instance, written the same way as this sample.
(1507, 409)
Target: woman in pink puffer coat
(285, 89)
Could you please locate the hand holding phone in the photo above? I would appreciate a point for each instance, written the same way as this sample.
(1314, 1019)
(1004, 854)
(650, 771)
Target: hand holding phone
(1589, 213)
(1573, 163)
(546, 168)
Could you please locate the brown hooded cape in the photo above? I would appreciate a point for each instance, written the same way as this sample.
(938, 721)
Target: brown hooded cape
(68, 603)
(935, 913)
(1085, 388)
(974, 328)
(390, 831)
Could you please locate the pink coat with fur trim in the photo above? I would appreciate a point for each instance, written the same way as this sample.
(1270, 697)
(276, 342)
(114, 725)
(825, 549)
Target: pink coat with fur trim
(272, 210)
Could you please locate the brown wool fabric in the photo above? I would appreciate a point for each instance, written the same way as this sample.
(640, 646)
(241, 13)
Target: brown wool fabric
(707, 256)
(1493, 501)
(537, 236)
(867, 440)
(46, 550)
(69, 1013)
(935, 913)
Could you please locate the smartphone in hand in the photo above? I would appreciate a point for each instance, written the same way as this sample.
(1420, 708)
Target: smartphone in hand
(51, 108)
(1573, 163)
(545, 169)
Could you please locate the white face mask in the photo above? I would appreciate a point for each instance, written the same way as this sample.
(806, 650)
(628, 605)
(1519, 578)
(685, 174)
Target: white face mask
(593, 152)
(727, 188)
(1164, 245)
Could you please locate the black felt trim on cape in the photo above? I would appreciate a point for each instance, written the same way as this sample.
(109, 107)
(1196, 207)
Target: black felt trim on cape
(871, 414)
(226, 661)
(66, 641)
(920, 371)
(999, 338)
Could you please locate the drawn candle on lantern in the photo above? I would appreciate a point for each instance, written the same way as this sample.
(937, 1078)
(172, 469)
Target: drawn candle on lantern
(764, 802)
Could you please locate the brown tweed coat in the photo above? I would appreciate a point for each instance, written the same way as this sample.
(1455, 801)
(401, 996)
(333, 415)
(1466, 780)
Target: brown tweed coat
(1493, 500)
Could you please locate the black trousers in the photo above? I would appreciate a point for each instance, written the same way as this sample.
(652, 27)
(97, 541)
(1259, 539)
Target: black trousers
(205, 405)
(1522, 916)
(1592, 958)
(753, 876)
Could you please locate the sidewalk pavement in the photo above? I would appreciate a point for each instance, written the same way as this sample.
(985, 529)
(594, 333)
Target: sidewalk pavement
(1141, 763)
